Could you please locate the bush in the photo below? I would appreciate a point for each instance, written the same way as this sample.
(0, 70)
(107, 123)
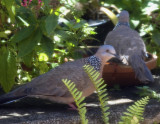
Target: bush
(36, 36)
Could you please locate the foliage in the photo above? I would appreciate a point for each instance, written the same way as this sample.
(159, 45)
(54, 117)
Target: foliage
(77, 95)
(7, 68)
(135, 112)
(35, 37)
(100, 89)
(145, 19)
(146, 91)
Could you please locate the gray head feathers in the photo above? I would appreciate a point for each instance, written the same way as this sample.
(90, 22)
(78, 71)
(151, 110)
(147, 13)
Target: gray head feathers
(124, 16)
(123, 19)
(106, 49)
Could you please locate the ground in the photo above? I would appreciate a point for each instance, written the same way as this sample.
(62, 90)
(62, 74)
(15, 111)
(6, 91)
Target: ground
(37, 111)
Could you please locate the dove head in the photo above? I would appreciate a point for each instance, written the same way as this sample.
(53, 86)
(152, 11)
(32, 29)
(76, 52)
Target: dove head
(124, 16)
(106, 52)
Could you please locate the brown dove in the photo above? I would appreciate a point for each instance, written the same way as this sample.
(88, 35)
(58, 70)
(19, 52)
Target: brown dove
(130, 47)
(50, 86)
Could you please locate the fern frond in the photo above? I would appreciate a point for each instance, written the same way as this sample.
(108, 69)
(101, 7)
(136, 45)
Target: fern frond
(101, 90)
(135, 112)
(77, 95)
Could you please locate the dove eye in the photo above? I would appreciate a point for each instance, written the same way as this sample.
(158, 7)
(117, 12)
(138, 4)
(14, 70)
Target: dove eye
(107, 50)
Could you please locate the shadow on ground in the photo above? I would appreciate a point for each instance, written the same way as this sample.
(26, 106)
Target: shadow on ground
(37, 111)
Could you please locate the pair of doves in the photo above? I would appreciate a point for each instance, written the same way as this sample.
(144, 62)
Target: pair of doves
(122, 40)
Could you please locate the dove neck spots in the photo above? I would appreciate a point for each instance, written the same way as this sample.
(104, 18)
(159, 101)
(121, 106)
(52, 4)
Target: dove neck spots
(122, 23)
(94, 61)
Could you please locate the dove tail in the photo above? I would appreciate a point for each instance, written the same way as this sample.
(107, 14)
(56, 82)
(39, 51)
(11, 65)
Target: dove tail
(13, 96)
(8, 98)
(141, 70)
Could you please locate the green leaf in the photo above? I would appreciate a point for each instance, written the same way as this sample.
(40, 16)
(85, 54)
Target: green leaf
(8, 69)
(24, 21)
(51, 23)
(3, 35)
(46, 2)
(22, 34)
(46, 7)
(9, 5)
(26, 16)
(28, 59)
(43, 67)
(26, 46)
(79, 25)
(47, 45)
(156, 37)
(43, 57)
(42, 24)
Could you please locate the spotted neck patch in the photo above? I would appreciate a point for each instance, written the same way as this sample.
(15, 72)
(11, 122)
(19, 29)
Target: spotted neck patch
(94, 61)
(122, 23)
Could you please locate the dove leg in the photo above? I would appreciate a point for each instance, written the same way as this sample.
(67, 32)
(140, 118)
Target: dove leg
(73, 106)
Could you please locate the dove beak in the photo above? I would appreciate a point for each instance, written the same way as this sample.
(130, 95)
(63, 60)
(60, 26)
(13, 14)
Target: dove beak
(116, 56)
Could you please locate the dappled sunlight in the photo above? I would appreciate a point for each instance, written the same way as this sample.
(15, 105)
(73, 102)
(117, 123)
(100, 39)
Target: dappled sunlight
(119, 101)
(92, 105)
(14, 114)
(19, 115)
(111, 102)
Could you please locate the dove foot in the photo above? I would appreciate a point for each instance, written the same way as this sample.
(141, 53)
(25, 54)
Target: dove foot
(72, 107)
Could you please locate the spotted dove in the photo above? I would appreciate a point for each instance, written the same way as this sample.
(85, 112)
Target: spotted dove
(130, 47)
(50, 86)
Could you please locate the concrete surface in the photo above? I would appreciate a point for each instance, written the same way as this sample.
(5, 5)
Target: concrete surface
(37, 111)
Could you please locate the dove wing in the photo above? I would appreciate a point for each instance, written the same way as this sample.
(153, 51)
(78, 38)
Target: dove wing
(51, 83)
